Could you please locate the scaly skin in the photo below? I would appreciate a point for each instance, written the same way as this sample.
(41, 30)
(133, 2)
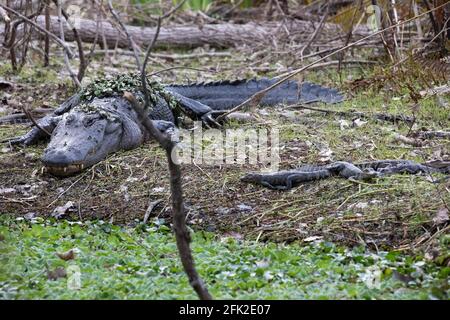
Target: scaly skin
(287, 179)
(85, 131)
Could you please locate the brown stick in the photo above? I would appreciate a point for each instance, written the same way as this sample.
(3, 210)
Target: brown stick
(129, 37)
(179, 216)
(47, 39)
(66, 56)
(318, 30)
(30, 117)
(82, 67)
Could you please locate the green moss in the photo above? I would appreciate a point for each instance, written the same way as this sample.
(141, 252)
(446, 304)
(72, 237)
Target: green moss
(129, 82)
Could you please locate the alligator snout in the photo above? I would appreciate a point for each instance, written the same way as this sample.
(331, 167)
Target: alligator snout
(61, 163)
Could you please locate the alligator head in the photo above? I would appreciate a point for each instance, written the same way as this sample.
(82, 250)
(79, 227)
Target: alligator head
(88, 133)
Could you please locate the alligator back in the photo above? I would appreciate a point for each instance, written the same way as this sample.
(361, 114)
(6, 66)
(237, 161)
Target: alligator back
(228, 94)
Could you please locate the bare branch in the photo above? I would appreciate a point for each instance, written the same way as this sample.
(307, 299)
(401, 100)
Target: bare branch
(318, 30)
(66, 56)
(38, 27)
(4, 15)
(129, 37)
(144, 66)
(31, 118)
(82, 66)
(47, 39)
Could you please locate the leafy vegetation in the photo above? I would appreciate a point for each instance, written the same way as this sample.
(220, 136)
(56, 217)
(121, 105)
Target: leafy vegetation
(141, 262)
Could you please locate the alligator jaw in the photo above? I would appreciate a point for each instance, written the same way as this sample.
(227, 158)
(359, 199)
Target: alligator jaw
(63, 171)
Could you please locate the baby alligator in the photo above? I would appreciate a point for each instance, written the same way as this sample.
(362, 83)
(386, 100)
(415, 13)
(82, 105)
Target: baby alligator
(287, 179)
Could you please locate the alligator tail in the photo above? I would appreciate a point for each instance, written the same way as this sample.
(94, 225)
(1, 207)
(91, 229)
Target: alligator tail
(227, 94)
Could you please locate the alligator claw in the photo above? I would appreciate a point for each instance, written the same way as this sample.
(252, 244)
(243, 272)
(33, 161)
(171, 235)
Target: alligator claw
(209, 119)
(17, 141)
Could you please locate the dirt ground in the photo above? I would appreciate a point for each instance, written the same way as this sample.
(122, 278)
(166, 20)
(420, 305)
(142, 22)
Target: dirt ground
(394, 212)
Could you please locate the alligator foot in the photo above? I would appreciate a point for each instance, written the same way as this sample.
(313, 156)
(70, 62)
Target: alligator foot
(209, 118)
(48, 123)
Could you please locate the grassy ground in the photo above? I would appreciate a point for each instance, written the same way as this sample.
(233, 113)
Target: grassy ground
(393, 214)
(142, 263)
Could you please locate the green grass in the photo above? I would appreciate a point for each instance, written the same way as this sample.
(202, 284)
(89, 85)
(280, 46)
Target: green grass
(141, 262)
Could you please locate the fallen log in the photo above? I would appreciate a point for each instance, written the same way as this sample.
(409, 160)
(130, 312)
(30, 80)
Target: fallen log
(217, 35)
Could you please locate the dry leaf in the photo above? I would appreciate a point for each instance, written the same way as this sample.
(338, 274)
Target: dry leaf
(59, 272)
(313, 238)
(68, 255)
(441, 216)
(61, 211)
(358, 123)
(343, 124)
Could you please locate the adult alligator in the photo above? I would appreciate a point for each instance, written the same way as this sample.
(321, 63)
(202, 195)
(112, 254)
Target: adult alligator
(287, 179)
(98, 120)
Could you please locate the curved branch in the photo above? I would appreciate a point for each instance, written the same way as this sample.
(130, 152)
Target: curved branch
(41, 29)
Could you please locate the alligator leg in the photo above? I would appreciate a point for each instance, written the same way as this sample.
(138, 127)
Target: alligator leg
(68, 104)
(274, 187)
(300, 177)
(197, 110)
(163, 125)
(48, 123)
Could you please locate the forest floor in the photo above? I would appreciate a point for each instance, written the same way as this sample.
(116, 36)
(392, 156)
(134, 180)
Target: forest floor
(395, 214)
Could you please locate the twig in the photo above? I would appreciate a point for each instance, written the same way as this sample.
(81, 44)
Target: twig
(66, 56)
(30, 117)
(94, 44)
(260, 94)
(51, 35)
(47, 39)
(348, 38)
(82, 67)
(129, 37)
(149, 210)
(172, 11)
(232, 8)
(4, 15)
(144, 66)
(316, 33)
